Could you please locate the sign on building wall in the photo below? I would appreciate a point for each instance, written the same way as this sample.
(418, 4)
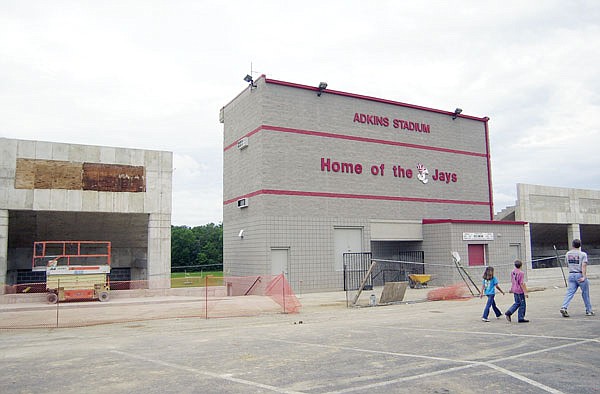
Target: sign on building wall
(478, 236)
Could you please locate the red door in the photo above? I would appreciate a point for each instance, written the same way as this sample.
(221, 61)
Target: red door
(476, 254)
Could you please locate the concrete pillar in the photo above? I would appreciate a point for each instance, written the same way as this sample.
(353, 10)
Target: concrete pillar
(527, 255)
(573, 233)
(3, 248)
(159, 251)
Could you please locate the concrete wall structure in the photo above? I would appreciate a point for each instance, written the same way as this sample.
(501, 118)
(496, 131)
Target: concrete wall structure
(502, 243)
(556, 216)
(310, 174)
(62, 192)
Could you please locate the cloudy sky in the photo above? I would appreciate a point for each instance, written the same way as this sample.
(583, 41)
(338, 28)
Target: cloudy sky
(153, 75)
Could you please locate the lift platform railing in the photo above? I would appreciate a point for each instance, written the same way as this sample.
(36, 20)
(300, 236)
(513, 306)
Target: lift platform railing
(67, 253)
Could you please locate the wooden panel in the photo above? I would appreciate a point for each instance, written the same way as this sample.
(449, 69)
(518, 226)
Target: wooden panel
(113, 178)
(393, 292)
(43, 175)
(47, 174)
(25, 174)
(55, 174)
(66, 175)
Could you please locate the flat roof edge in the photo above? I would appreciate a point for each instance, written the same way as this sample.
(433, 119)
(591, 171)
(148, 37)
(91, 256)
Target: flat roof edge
(467, 221)
(370, 98)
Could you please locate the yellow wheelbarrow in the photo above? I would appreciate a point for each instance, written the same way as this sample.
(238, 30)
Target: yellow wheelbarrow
(418, 280)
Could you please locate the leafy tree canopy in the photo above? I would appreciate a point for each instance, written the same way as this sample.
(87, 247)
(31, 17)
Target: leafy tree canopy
(197, 248)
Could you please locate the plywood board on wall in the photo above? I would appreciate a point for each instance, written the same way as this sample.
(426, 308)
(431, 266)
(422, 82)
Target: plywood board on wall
(55, 174)
(65, 175)
(25, 174)
(113, 178)
(47, 174)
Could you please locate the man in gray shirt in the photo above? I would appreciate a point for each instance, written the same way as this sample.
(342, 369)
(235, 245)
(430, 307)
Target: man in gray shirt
(577, 261)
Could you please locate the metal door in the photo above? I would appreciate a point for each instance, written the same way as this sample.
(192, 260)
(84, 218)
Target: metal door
(346, 240)
(279, 261)
(476, 254)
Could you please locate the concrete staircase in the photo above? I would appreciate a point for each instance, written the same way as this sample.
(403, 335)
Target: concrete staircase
(507, 213)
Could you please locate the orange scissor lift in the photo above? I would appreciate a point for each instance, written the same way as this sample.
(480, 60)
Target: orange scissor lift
(75, 270)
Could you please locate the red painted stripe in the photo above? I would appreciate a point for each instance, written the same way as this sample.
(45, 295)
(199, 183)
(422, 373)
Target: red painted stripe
(353, 196)
(369, 98)
(489, 169)
(355, 138)
(246, 135)
(466, 221)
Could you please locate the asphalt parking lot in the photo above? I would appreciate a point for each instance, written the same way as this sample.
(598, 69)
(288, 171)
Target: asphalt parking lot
(425, 347)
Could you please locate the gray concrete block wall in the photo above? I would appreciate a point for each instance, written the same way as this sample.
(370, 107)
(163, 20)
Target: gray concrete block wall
(438, 245)
(248, 255)
(498, 250)
(276, 160)
(243, 169)
(290, 165)
(293, 162)
(299, 108)
(287, 205)
(311, 264)
(311, 244)
(441, 239)
(269, 150)
(243, 114)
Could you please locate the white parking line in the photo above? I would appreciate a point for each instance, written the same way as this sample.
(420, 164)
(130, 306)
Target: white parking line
(492, 333)
(573, 341)
(371, 351)
(205, 373)
(548, 349)
(448, 370)
(400, 380)
(524, 379)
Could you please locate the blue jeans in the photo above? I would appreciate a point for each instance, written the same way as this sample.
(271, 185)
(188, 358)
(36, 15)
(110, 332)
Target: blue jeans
(572, 289)
(491, 303)
(519, 304)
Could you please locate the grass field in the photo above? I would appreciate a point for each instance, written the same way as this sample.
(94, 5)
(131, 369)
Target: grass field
(196, 279)
(195, 274)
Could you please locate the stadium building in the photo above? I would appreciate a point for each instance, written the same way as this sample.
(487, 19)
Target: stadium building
(314, 177)
(64, 192)
(556, 216)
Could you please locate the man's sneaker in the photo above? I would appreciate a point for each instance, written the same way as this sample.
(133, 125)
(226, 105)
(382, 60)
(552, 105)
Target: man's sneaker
(589, 313)
(484, 319)
(563, 312)
(524, 321)
(507, 317)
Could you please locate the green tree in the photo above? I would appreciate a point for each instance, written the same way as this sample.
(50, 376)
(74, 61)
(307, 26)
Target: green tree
(193, 247)
(183, 247)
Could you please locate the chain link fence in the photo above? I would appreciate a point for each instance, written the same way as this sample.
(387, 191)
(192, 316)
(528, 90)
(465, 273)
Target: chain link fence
(128, 301)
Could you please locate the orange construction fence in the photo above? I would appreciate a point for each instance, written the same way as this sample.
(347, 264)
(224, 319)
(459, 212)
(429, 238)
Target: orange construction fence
(26, 305)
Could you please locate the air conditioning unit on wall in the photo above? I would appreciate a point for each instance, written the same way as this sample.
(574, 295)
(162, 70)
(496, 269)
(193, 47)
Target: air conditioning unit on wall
(242, 143)
(242, 203)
